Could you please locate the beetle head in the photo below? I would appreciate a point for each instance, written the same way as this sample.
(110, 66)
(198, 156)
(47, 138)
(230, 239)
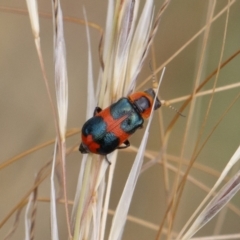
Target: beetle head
(151, 92)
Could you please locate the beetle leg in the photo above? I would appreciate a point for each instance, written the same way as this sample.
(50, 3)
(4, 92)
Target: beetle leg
(107, 160)
(83, 148)
(97, 110)
(127, 144)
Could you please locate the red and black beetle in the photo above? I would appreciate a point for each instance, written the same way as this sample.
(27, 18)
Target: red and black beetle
(111, 127)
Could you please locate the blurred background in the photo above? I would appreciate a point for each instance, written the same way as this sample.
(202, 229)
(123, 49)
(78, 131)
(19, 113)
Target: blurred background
(27, 120)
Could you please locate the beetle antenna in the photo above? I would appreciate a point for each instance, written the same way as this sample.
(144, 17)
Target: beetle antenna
(173, 108)
(176, 110)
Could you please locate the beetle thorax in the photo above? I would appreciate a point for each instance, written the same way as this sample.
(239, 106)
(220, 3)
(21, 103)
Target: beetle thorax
(142, 104)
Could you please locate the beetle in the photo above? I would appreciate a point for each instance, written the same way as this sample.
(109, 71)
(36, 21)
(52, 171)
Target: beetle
(110, 128)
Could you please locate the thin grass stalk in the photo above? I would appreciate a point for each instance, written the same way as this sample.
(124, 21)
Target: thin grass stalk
(81, 200)
(160, 154)
(220, 221)
(34, 149)
(34, 213)
(218, 70)
(91, 93)
(97, 212)
(89, 210)
(83, 186)
(54, 223)
(60, 129)
(61, 84)
(166, 180)
(155, 159)
(87, 214)
(27, 220)
(142, 222)
(87, 219)
(204, 93)
(49, 16)
(33, 14)
(160, 116)
(108, 31)
(107, 198)
(34, 199)
(78, 189)
(15, 225)
(219, 237)
(222, 215)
